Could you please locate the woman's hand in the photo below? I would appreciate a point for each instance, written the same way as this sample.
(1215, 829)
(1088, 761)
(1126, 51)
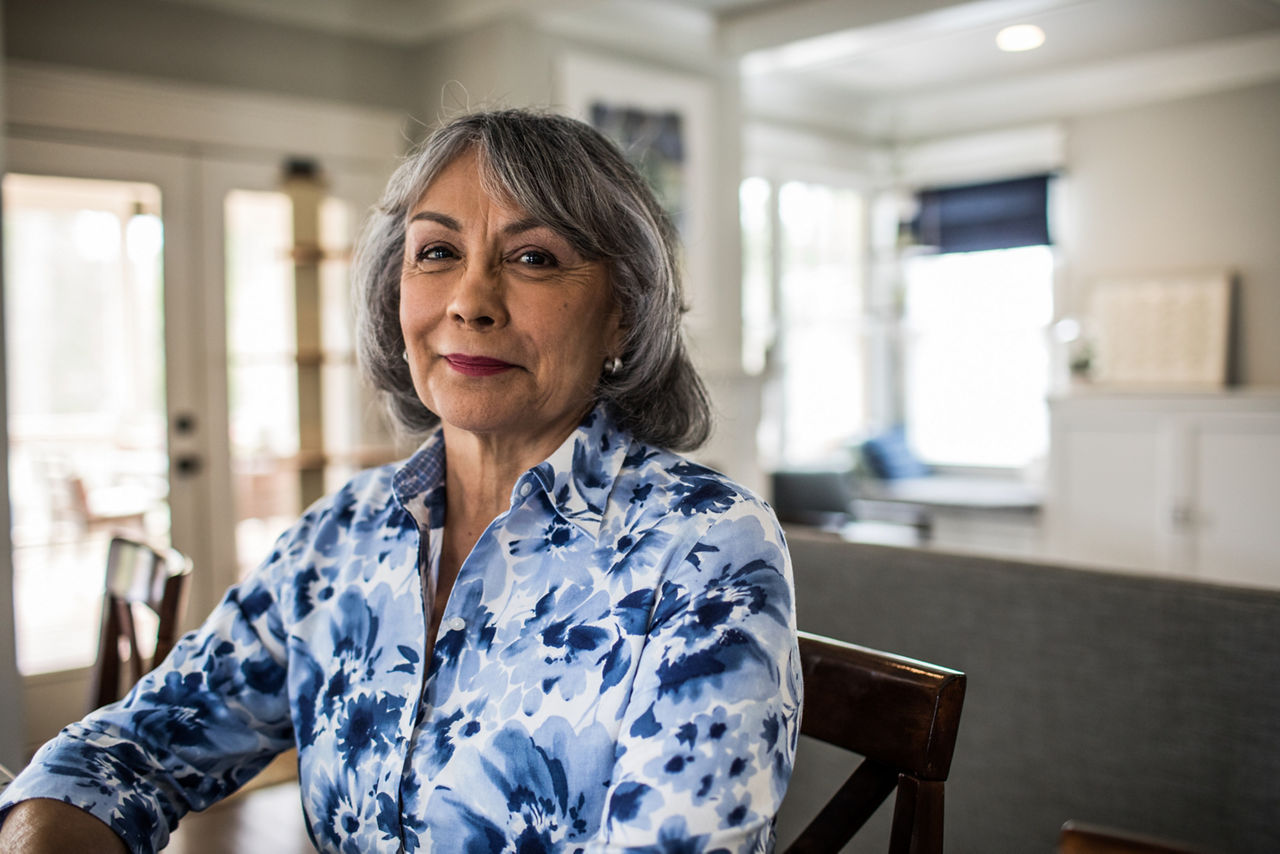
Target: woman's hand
(44, 825)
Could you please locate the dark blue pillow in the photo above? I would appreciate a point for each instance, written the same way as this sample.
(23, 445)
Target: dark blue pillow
(889, 458)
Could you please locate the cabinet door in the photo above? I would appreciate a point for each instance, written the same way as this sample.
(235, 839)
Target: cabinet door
(1110, 489)
(1237, 517)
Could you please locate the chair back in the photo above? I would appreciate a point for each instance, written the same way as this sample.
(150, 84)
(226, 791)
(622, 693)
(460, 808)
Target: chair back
(138, 575)
(901, 716)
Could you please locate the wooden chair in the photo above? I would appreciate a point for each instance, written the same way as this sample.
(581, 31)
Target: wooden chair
(125, 513)
(901, 716)
(137, 575)
(1077, 838)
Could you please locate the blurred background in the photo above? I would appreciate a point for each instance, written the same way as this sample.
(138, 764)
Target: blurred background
(1015, 299)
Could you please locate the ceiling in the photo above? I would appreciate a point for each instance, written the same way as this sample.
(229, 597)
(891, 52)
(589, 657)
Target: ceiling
(938, 70)
(883, 68)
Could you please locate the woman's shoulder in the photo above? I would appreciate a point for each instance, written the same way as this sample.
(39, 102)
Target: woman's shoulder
(364, 503)
(678, 487)
(358, 517)
(370, 491)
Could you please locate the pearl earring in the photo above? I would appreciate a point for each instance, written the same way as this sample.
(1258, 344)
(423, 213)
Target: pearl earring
(612, 365)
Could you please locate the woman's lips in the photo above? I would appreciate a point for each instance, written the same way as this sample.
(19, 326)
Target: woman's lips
(476, 366)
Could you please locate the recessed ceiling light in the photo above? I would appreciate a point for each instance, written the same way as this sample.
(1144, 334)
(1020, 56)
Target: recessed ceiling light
(1020, 37)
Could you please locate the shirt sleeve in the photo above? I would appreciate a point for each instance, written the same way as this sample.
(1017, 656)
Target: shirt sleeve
(188, 734)
(709, 734)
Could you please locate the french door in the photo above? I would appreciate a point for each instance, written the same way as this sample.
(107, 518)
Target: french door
(107, 390)
(168, 375)
(299, 423)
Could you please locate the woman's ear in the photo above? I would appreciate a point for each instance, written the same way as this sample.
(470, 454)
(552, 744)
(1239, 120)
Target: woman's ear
(617, 333)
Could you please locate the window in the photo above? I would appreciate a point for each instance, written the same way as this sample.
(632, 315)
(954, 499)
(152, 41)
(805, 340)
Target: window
(958, 352)
(975, 325)
(262, 369)
(802, 309)
(300, 426)
(755, 208)
(976, 356)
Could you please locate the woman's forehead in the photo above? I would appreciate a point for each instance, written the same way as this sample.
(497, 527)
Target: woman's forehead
(469, 171)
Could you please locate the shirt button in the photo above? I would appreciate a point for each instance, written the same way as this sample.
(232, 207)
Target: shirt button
(525, 489)
(455, 624)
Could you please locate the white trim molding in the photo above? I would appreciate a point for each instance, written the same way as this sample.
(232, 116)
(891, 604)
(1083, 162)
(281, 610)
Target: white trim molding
(198, 118)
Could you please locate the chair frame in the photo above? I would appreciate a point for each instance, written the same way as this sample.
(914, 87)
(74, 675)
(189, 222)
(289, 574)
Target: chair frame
(902, 716)
(161, 586)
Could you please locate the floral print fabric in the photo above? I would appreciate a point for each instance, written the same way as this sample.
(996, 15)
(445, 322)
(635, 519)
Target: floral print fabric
(616, 670)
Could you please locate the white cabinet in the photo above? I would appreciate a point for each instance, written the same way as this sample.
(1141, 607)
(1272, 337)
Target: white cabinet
(1185, 484)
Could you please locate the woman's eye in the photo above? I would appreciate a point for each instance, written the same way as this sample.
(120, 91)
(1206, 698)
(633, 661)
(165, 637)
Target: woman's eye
(536, 258)
(434, 253)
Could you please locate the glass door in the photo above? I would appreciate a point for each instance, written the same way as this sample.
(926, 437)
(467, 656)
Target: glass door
(88, 454)
(299, 421)
(100, 438)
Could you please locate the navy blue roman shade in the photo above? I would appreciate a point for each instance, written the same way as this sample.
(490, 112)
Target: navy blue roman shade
(977, 217)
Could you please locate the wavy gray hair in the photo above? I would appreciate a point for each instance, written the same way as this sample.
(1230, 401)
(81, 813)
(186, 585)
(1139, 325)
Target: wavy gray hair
(569, 176)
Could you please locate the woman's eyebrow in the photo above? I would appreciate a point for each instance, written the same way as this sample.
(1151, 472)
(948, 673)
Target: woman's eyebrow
(443, 219)
(518, 227)
(522, 225)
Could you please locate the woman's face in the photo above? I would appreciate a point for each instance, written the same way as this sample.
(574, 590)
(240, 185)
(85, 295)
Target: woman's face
(506, 327)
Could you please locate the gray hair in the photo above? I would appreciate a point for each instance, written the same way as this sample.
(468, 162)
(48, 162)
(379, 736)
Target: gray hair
(570, 177)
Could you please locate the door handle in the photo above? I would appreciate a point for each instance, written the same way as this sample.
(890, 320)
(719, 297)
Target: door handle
(187, 464)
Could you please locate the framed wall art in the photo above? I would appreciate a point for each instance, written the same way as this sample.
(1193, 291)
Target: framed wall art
(662, 122)
(1164, 332)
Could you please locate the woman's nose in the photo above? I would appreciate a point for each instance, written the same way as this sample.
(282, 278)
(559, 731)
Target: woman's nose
(477, 300)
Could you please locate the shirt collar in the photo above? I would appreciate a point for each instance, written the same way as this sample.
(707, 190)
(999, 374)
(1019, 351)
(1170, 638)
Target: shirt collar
(419, 482)
(577, 478)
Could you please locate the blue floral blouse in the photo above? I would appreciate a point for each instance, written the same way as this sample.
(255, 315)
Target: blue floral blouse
(616, 670)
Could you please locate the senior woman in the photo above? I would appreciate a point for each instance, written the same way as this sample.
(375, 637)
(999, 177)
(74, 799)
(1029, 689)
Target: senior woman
(544, 631)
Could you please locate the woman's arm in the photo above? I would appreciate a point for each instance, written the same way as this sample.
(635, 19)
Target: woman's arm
(46, 826)
(191, 732)
(709, 735)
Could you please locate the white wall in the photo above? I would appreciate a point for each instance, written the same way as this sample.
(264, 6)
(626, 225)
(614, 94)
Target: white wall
(494, 65)
(1186, 185)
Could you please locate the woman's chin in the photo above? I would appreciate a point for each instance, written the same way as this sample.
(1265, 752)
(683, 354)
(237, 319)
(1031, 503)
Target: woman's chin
(510, 421)
(492, 406)
(495, 415)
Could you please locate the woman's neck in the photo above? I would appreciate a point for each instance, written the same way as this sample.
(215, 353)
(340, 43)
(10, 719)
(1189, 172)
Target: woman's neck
(480, 472)
(479, 476)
